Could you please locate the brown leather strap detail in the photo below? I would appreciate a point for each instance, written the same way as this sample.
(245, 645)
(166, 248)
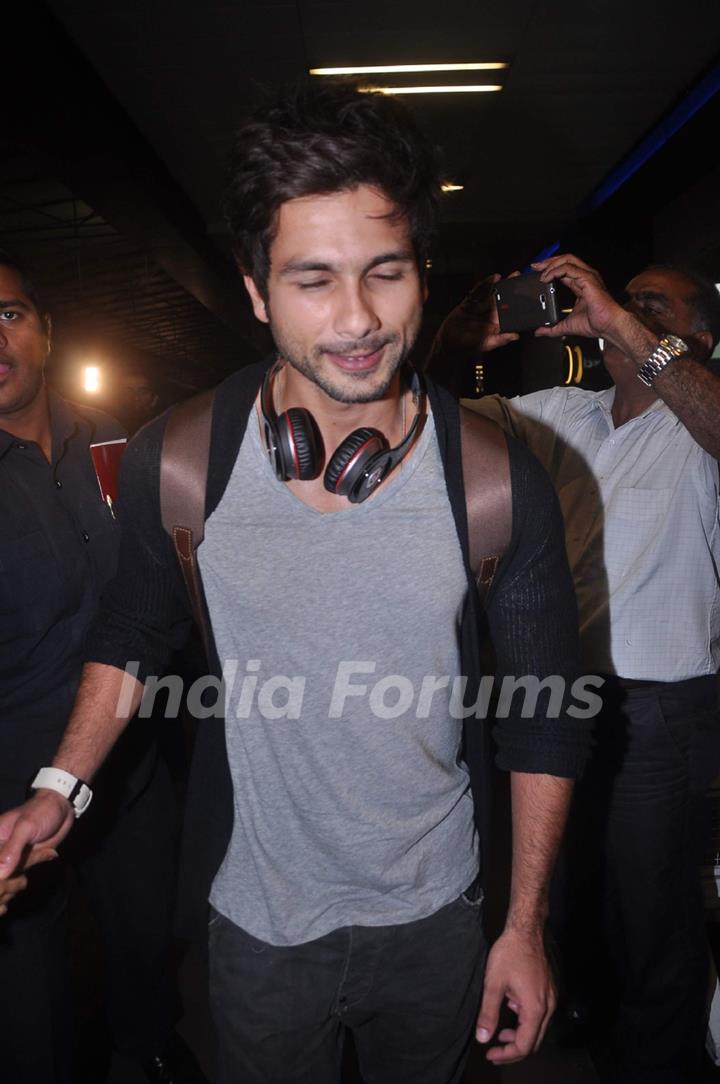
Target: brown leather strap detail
(488, 495)
(187, 558)
(487, 570)
(183, 485)
(184, 466)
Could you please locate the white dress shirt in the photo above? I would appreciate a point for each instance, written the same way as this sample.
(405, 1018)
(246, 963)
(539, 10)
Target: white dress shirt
(641, 511)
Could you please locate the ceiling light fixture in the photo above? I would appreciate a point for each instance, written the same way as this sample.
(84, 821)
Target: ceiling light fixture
(452, 187)
(398, 69)
(478, 88)
(91, 378)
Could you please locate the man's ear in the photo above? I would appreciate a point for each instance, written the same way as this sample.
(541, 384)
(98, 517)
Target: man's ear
(259, 306)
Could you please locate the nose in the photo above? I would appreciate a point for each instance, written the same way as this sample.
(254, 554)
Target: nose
(355, 315)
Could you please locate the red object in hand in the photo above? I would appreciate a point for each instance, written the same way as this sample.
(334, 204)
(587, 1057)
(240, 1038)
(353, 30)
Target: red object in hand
(106, 458)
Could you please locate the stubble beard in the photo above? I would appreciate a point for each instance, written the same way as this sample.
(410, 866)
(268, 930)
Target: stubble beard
(24, 395)
(367, 386)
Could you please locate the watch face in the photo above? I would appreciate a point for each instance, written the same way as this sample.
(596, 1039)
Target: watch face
(675, 344)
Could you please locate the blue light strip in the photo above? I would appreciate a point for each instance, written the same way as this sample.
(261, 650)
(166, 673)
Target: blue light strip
(657, 138)
(663, 131)
(544, 254)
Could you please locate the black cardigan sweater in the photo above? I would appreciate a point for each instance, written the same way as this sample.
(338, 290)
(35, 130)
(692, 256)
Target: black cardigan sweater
(530, 614)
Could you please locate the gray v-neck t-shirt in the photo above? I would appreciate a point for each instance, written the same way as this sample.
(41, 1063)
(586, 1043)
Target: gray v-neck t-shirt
(338, 633)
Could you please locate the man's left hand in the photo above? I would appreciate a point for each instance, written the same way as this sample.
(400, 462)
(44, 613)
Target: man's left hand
(518, 971)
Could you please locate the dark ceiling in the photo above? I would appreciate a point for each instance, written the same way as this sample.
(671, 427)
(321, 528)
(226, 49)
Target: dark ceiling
(121, 114)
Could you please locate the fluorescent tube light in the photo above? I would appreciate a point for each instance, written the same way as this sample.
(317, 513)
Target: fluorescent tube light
(454, 89)
(398, 69)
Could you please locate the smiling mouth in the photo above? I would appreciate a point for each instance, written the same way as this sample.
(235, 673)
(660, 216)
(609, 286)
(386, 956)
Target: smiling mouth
(356, 363)
(5, 367)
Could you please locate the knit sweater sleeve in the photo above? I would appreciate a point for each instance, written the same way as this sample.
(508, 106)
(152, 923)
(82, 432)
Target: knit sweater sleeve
(533, 620)
(145, 612)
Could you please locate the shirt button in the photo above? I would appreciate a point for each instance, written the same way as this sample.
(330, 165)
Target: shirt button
(21, 447)
(58, 483)
(86, 536)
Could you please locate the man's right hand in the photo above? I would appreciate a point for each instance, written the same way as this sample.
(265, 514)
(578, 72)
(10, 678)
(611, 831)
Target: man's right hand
(32, 829)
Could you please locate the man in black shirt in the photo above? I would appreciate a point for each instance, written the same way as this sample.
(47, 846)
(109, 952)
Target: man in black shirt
(58, 549)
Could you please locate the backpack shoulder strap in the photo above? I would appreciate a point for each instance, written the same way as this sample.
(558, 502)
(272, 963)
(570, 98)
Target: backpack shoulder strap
(488, 495)
(183, 485)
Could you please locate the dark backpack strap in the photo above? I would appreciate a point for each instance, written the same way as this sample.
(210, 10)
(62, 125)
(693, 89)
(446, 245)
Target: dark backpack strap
(183, 486)
(488, 495)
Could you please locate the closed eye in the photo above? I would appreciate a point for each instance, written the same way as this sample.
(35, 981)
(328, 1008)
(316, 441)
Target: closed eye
(651, 302)
(654, 307)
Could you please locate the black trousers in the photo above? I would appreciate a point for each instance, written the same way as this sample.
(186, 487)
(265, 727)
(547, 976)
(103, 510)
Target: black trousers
(126, 866)
(635, 841)
(409, 994)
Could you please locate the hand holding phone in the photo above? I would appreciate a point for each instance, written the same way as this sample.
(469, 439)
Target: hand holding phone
(525, 302)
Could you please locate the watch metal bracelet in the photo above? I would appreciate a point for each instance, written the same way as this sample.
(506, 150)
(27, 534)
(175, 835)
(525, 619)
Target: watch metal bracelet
(669, 348)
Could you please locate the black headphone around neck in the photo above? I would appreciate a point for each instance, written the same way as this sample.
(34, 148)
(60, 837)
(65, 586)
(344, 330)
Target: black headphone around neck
(357, 466)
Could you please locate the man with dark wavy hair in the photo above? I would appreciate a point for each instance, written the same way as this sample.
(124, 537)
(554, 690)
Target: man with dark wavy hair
(334, 812)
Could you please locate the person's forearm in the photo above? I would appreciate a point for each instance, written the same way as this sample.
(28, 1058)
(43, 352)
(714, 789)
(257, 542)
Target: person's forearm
(688, 387)
(107, 698)
(540, 806)
(693, 394)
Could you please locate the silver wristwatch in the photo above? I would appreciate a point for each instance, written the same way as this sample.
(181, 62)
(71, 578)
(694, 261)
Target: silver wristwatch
(669, 348)
(77, 793)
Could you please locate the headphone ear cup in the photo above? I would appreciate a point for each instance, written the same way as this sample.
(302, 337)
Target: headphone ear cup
(350, 459)
(300, 444)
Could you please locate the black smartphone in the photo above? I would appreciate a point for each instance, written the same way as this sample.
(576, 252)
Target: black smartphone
(526, 302)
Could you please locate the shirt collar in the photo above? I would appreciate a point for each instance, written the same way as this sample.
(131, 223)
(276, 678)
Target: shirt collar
(605, 399)
(6, 441)
(65, 420)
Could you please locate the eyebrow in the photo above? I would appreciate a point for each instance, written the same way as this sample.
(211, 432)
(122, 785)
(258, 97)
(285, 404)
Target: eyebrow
(294, 267)
(645, 295)
(14, 303)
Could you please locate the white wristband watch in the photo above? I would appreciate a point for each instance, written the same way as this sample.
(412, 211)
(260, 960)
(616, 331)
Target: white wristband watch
(77, 793)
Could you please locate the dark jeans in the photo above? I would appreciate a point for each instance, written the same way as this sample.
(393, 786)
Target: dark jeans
(636, 837)
(409, 994)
